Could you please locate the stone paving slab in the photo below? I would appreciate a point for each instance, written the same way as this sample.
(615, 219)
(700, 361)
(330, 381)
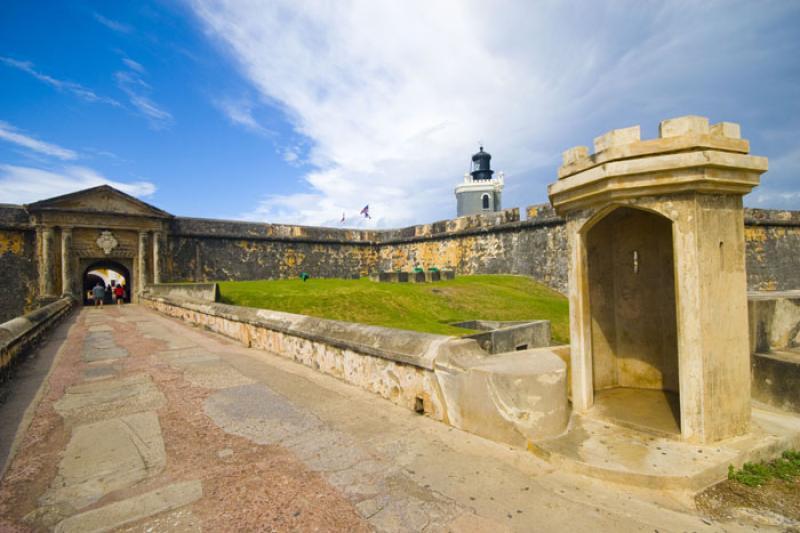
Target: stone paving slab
(130, 510)
(106, 456)
(157, 331)
(95, 373)
(381, 493)
(214, 376)
(187, 356)
(102, 354)
(109, 398)
(100, 345)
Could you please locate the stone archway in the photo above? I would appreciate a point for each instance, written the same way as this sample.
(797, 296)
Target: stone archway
(630, 269)
(93, 272)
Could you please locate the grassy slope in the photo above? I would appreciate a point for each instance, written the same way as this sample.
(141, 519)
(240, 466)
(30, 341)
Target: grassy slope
(422, 307)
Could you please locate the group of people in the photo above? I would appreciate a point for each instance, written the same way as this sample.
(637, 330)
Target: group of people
(99, 293)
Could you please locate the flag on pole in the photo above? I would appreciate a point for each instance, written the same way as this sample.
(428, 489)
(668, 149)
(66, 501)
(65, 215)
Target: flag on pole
(365, 211)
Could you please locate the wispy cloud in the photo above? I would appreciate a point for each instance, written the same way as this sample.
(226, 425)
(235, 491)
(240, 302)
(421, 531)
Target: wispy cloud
(393, 111)
(11, 134)
(239, 111)
(111, 24)
(133, 65)
(21, 185)
(138, 91)
(62, 85)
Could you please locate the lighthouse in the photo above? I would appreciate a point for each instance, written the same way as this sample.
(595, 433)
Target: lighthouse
(480, 192)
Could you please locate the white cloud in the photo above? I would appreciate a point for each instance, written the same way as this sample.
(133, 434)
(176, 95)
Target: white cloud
(11, 134)
(62, 85)
(394, 97)
(134, 65)
(111, 24)
(239, 111)
(137, 90)
(23, 185)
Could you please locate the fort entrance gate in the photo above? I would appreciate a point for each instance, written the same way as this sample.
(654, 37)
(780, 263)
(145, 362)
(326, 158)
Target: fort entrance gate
(97, 228)
(108, 273)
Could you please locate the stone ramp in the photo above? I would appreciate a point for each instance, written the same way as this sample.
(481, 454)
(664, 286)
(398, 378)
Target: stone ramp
(115, 443)
(164, 445)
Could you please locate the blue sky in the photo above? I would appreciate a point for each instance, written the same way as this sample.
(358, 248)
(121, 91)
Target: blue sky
(299, 111)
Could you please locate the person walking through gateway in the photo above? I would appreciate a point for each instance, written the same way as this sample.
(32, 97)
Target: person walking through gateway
(99, 292)
(119, 293)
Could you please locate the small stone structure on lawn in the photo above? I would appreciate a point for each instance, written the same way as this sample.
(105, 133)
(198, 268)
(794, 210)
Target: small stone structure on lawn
(657, 286)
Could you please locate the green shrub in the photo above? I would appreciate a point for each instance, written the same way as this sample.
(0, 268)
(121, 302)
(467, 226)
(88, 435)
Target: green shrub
(786, 468)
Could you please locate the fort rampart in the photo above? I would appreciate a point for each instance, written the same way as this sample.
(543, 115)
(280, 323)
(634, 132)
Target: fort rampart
(196, 249)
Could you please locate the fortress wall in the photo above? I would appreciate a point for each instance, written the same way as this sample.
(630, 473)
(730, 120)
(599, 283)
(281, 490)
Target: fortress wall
(18, 269)
(503, 244)
(773, 249)
(205, 250)
(496, 243)
(536, 247)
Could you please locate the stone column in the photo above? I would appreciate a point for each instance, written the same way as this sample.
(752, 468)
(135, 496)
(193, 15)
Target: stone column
(141, 266)
(66, 261)
(156, 257)
(46, 284)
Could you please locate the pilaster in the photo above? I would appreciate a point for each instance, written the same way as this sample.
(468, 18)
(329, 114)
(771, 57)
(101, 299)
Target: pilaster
(141, 264)
(66, 261)
(156, 257)
(46, 282)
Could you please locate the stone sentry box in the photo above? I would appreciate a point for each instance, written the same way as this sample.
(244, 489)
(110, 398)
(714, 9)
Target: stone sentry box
(657, 287)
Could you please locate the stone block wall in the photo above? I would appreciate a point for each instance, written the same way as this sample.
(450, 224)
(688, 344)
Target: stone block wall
(773, 249)
(484, 244)
(18, 269)
(205, 250)
(494, 243)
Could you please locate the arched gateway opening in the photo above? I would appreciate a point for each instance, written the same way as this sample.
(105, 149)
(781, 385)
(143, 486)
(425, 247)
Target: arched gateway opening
(109, 273)
(633, 319)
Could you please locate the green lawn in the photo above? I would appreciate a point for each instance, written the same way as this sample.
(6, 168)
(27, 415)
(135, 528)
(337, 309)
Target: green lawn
(426, 307)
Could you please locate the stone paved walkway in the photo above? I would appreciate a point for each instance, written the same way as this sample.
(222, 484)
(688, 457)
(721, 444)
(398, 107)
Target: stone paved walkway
(146, 424)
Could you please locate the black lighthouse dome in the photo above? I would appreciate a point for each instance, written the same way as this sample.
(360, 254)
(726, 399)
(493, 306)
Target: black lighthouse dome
(481, 165)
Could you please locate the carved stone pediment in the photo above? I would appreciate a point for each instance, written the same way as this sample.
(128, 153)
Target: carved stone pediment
(102, 199)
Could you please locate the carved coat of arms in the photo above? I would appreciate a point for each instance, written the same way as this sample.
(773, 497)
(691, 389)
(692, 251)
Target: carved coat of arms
(107, 242)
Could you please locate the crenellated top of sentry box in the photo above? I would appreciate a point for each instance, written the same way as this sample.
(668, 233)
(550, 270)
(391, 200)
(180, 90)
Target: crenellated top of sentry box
(680, 134)
(689, 155)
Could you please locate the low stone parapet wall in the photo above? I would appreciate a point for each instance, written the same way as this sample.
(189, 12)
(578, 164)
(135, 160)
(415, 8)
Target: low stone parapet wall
(523, 393)
(19, 335)
(500, 337)
(775, 348)
(203, 292)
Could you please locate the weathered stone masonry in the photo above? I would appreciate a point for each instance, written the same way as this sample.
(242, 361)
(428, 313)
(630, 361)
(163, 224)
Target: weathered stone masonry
(18, 266)
(204, 250)
(501, 243)
(193, 249)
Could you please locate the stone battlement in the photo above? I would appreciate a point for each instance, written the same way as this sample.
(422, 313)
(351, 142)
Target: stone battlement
(688, 156)
(676, 135)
